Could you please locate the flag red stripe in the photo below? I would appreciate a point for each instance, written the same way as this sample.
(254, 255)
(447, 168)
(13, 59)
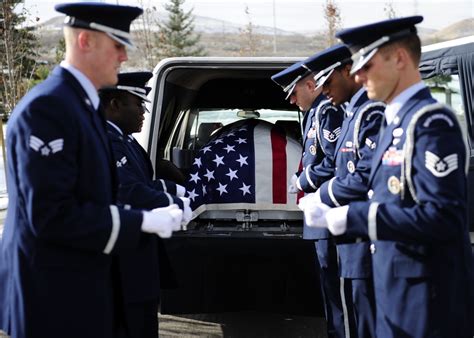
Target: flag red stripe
(300, 194)
(279, 167)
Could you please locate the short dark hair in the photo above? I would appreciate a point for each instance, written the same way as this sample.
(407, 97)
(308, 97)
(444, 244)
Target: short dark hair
(106, 96)
(410, 43)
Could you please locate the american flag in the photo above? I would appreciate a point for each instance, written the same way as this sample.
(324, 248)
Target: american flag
(247, 165)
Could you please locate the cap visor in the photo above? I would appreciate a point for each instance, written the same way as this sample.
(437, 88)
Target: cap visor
(357, 65)
(143, 97)
(121, 40)
(290, 91)
(323, 79)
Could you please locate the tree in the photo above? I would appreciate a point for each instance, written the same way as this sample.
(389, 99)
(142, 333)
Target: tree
(249, 42)
(60, 50)
(332, 15)
(176, 36)
(17, 53)
(389, 10)
(146, 35)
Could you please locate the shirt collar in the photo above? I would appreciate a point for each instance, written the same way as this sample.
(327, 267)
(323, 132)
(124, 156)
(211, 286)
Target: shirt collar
(115, 126)
(89, 88)
(397, 103)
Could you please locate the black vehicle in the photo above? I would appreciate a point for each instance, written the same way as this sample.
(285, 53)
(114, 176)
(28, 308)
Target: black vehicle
(242, 259)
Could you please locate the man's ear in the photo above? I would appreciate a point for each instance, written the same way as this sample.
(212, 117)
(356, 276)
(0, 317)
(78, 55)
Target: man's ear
(403, 59)
(310, 84)
(115, 104)
(346, 70)
(84, 39)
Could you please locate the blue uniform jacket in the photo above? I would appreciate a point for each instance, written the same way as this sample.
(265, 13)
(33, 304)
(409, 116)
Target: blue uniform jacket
(422, 260)
(136, 185)
(321, 132)
(139, 269)
(353, 153)
(61, 226)
(322, 126)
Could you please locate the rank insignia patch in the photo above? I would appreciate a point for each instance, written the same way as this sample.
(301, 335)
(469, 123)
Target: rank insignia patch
(440, 167)
(121, 162)
(45, 149)
(371, 144)
(332, 136)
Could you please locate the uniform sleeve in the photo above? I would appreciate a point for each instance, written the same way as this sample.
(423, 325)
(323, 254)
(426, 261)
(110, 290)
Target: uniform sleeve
(165, 185)
(341, 190)
(43, 159)
(136, 191)
(439, 180)
(313, 176)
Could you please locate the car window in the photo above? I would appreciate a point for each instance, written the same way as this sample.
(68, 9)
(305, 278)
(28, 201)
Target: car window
(202, 124)
(446, 89)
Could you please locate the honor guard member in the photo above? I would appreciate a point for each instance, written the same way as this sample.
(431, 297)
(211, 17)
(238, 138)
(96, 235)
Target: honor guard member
(416, 212)
(321, 128)
(63, 226)
(353, 157)
(140, 270)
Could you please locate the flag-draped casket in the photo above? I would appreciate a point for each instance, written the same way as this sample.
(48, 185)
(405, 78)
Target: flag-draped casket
(246, 165)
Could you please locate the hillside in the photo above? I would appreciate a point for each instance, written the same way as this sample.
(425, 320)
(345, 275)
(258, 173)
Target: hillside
(221, 38)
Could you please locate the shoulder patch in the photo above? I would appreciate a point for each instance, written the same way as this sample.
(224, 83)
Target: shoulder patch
(324, 106)
(438, 117)
(375, 113)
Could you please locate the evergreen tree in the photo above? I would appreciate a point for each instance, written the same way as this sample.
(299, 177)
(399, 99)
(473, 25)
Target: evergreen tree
(60, 50)
(17, 53)
(176, 36)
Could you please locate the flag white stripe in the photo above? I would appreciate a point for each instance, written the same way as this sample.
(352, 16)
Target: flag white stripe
(263, 165)
(293, 155)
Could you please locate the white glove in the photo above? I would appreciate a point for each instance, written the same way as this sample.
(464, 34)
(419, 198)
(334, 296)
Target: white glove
(315, 215)
(162, 221)
(309, 199)
(187, 212)
(337, 220)
(180, 190)
(292, 189)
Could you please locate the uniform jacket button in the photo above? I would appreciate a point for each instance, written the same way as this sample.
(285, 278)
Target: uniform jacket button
(370, 193)
(372, 248)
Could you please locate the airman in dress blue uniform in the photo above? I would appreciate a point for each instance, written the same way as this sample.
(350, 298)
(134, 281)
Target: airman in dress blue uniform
(63, 226)
(321, 128)
(139, 269)
(353, 157)
(415, 215)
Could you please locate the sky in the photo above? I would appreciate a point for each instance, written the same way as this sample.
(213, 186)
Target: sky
(298, 15)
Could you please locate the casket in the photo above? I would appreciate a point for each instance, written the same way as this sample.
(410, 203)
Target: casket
(242, 173)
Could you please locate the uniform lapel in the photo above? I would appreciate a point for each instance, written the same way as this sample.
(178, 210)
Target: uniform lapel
(143, 155)
(386, 137)
(96, 117)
